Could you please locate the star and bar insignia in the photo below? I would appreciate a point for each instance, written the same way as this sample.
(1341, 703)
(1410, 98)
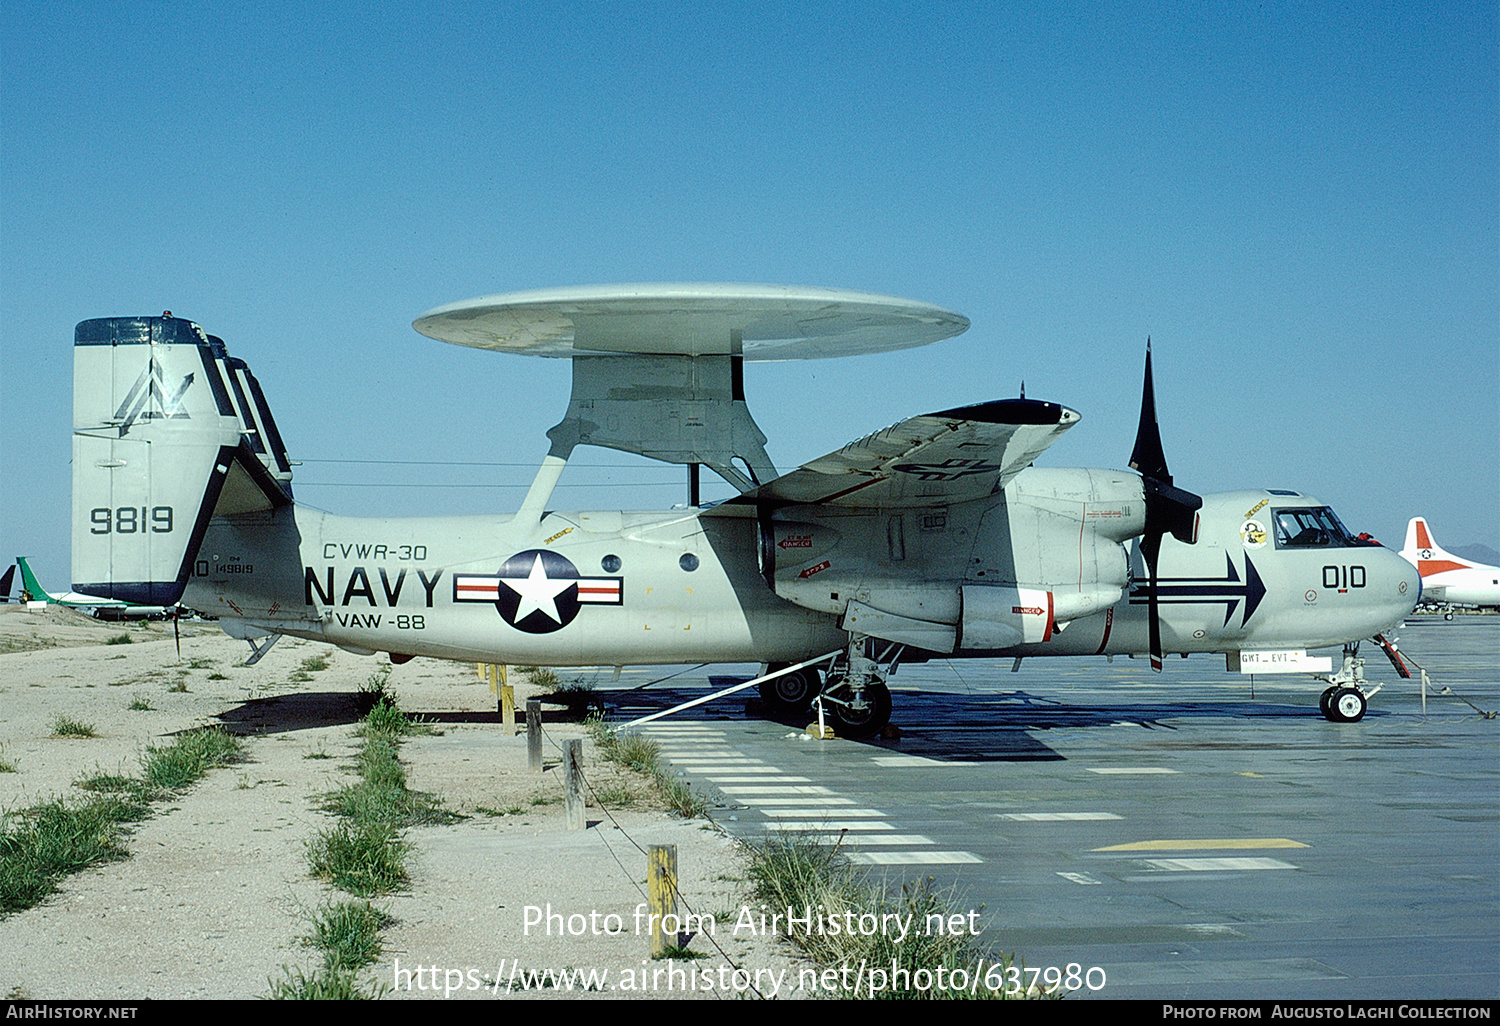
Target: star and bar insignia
(538, 591)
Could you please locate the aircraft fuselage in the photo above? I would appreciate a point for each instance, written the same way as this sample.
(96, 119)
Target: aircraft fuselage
(1044, 567)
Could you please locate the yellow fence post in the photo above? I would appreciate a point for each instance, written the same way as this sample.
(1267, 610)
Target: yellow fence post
(661, 896)
(507, 702)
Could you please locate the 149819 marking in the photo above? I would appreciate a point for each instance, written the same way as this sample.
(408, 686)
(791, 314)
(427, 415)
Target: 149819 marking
(130, 520)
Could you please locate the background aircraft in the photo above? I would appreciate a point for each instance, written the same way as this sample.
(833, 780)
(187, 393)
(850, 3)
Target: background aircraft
(103, 608)
(1448, 580)
(936, 537)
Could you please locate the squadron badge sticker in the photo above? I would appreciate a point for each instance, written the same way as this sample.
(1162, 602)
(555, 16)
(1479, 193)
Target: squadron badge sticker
(538, 591)
(1253, 534)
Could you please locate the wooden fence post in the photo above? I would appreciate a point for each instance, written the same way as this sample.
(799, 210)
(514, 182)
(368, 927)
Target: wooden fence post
(573, 782)
(661, 896)
(534, 734)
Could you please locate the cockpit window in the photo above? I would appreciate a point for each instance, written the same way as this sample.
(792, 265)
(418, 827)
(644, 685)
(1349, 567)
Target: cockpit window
(1315, 528)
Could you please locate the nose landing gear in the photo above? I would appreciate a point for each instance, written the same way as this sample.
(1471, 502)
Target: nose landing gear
(1343, 705)
(1348, 694)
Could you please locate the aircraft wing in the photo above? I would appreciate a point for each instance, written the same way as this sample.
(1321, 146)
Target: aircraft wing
(952, 456)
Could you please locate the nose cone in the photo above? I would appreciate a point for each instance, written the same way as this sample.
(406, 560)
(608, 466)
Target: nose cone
(1395, 588)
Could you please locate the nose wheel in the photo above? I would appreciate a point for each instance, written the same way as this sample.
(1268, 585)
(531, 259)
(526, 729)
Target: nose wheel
(1343, 705)
(1347, 697)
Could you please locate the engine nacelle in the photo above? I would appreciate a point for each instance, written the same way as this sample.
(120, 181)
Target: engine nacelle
(1003, 616)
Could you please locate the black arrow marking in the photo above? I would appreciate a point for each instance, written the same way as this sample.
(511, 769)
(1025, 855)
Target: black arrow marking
(1229, 590)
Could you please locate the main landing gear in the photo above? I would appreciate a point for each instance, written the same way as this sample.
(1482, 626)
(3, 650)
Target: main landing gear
(857, 709)
(791, 693)
(1347, 697)
(856, 701)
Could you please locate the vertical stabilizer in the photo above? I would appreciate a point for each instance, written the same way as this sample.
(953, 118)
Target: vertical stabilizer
(1419, 539)
(31, 588)
(1423, 551)
(155, 435)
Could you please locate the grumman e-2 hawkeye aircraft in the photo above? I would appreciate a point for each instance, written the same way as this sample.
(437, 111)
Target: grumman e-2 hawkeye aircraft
(936, 537)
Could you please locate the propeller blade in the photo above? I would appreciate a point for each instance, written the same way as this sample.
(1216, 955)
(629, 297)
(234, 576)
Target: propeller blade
(1149, 554)
(1147, 458)
(1169, 510)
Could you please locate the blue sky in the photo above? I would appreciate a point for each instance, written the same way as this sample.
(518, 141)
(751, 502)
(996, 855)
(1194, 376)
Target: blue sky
(1297, 202)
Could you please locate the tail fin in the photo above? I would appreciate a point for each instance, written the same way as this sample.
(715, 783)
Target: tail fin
(31, 588)
(1422, 550)
(164, 437)
(255, 415)
(5, 579)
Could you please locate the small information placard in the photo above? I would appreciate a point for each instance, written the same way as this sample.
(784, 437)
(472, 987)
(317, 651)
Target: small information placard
(1291, 660)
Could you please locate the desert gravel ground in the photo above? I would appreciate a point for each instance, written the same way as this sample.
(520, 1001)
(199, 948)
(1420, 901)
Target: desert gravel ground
(213, 901)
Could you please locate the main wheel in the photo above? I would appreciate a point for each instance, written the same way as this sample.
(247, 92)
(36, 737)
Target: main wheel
(859, 718)
(1348, 705)
(791, 692)
(1325, 703)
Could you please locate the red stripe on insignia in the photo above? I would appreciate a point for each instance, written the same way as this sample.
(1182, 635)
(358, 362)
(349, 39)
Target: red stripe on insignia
(464, 588)
(598, 591)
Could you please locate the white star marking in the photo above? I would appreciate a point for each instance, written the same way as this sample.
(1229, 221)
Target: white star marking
(537, 591)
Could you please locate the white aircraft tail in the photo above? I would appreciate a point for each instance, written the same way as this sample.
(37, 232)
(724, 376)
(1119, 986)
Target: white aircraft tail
(1421, 547)
(168, 430)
